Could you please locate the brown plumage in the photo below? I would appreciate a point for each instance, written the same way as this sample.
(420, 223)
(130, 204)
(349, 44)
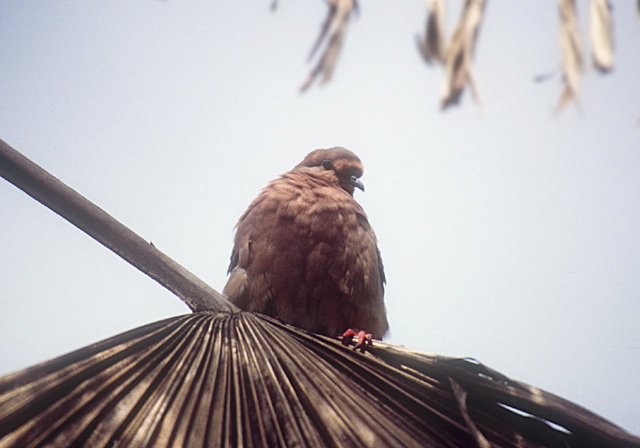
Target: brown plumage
(305, 253)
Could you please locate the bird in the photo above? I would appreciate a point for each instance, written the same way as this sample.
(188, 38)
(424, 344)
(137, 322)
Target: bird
(305, 253)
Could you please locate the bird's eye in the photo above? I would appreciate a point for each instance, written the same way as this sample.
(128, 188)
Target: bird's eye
(326, 164)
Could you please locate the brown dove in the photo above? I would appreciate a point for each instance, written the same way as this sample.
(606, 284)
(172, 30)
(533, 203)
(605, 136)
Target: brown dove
(305, 253)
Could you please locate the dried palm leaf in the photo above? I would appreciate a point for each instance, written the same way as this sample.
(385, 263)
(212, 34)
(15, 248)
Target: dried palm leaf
(431, 46)
(239, 379)
(458, 56)
(571, 50)
(332, 34)
(601, 35)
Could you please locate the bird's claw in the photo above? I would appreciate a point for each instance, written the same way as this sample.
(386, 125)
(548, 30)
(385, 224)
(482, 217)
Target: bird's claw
(364, 339)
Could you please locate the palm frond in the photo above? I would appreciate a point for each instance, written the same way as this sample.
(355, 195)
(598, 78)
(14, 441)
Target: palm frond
(239, 379)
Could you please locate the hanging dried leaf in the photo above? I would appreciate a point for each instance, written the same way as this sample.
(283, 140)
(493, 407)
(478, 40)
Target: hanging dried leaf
(571, 49)
(458, 56)
(601, 35)
(332, 35)
(431, 46)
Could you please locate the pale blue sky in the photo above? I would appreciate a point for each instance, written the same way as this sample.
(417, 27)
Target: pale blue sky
(510, 235)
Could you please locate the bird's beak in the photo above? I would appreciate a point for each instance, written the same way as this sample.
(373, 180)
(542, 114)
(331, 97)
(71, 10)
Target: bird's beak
(357, 183)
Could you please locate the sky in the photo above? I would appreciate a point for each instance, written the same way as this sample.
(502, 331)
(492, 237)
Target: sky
(510, 234)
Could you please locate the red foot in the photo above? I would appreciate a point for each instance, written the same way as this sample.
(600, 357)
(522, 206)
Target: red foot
(364, 339)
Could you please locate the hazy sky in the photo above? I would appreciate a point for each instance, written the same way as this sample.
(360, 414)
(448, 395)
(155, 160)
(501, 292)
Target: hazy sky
(510, 235)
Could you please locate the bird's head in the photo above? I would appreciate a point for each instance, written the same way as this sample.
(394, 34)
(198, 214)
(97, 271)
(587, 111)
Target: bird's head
(338, 164)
